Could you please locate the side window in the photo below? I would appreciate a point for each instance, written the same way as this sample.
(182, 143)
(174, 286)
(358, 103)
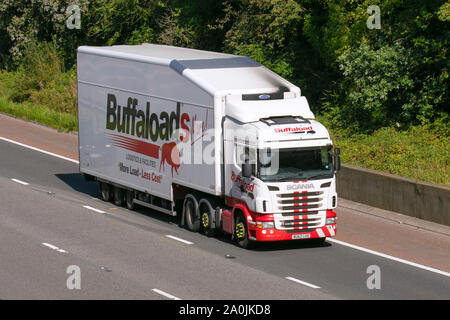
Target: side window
(250, 157)
(239, 155)
(245, 154)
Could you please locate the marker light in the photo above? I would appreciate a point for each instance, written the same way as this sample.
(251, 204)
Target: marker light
(265, 225)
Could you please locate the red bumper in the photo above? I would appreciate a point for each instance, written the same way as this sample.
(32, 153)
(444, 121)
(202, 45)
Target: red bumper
(280, 235)
(257, 233)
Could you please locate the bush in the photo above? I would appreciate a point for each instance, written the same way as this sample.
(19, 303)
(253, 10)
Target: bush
(420, 152)
(383, 89)
(40, 79)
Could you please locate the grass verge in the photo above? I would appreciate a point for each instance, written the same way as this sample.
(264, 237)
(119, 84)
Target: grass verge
(39, 113)
(418, 153)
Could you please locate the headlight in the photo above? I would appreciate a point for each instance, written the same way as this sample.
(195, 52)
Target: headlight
(331, 220)
(265, 225)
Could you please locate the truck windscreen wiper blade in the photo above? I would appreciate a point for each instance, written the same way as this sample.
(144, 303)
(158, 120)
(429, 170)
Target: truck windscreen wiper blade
(291, 178)
(322, 175)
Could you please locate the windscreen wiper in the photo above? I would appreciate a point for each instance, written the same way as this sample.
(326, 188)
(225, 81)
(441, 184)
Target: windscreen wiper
(322, 175)
(291, 178)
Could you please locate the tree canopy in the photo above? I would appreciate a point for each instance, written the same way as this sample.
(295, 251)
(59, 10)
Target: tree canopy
(361, 78)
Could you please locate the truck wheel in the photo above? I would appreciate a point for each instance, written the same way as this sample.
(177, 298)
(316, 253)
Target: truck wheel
(191, 214)
(105, 190)
(241, 232)
(119, 197)
(129, 200)
(207, 214)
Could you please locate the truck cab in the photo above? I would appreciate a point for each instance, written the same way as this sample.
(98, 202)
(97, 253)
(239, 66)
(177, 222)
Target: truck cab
(279, 169)
(216, 138)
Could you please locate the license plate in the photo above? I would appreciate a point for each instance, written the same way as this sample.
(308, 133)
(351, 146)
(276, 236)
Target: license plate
(301, 236)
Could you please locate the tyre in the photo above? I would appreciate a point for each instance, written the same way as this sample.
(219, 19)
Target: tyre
(207, 214)
(119, 197)
(105, 191)
(241, 232)
(191, 214)
(129, 197)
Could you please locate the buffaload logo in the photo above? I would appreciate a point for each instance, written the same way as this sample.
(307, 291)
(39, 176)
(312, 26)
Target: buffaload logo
(142, 124)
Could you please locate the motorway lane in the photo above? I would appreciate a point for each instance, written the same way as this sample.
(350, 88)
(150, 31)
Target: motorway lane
(30, 270)
(135, 246)
(398, 235)
(137, 253)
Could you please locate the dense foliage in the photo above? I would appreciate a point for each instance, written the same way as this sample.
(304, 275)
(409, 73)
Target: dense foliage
(359, 79)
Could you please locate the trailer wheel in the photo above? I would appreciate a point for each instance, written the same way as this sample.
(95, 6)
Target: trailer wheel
(105, 190)
(191, 214)
(207, 214)
(241, 232)
(119, 197)
(129, 197)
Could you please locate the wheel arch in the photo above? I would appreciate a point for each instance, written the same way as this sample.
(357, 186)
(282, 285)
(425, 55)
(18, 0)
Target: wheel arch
(240, 209)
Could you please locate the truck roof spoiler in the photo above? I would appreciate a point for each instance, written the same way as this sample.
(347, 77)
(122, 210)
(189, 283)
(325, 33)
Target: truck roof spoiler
(284, 120)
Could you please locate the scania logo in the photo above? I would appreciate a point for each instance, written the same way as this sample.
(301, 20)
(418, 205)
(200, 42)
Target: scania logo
(300, 186)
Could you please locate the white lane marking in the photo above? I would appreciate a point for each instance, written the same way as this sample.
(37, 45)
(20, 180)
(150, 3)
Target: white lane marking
(20, 181)
(93, 209)
(165, 294)
(303, 282)
(39, 150)
(417, 265)
(53, 247)
(178, 239)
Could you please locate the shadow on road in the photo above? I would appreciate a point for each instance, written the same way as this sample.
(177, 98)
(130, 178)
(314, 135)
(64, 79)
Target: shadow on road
(289, 245)
(91, 188)
(77, 182)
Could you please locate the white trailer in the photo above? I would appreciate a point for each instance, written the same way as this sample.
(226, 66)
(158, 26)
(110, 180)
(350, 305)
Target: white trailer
(217, 138)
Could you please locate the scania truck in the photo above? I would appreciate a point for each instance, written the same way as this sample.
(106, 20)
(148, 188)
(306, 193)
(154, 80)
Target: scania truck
(218, 139)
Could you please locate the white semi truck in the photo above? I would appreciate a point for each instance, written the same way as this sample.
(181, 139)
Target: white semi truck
(216, 138)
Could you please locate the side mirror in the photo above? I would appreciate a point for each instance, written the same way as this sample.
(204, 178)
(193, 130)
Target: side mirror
(337, 159)
(246, 170)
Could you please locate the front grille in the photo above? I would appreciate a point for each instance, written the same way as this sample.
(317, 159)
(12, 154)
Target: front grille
(301, 223)
(291, 214)
(297, 201)
(297, 206)
(300, 193)
(300, 201)
(298, 222)
(298, 211)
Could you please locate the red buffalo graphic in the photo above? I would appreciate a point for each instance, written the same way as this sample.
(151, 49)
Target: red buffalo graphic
(171, 155)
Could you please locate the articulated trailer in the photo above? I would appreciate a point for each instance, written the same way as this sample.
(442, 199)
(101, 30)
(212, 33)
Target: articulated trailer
(216, 138)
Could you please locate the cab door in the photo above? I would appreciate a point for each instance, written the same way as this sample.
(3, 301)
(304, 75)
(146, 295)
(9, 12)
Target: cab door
(239, 148)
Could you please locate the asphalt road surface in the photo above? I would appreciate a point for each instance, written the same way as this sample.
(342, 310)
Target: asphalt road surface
(52, 220)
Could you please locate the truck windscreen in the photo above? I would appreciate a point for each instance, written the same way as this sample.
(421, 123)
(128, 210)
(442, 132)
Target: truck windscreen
(295, 164)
